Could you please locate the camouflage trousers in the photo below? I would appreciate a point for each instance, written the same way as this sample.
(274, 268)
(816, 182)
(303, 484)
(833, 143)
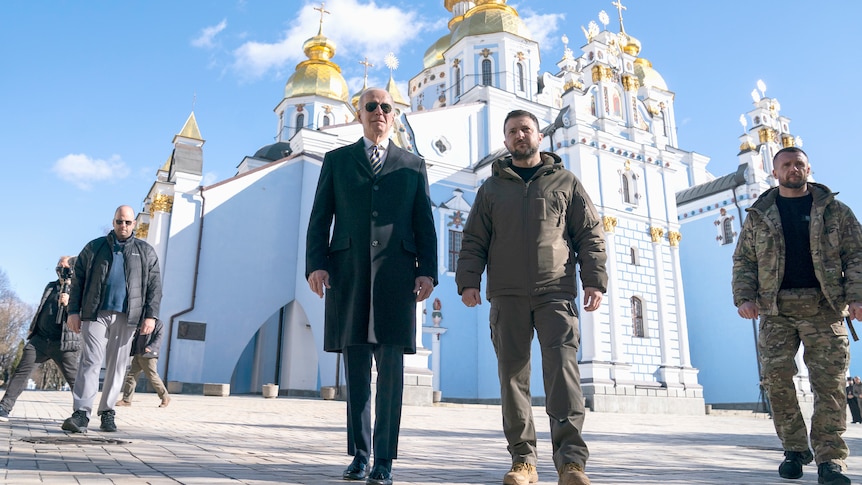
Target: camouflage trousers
(810, 320)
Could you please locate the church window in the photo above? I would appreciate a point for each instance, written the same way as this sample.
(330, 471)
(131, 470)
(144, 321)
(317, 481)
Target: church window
(628, 188)
(300, 120)
(327, 120)
(520, 76)
(486, 72)
(727, 230)
(454, 248)
(633, 254)
(638, 328)
(457, 76)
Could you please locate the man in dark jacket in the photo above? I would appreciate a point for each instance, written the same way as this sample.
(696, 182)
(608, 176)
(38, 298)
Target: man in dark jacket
(49, 338)
(116, 289)
(380, 261)
(145, 358)
(532, 222)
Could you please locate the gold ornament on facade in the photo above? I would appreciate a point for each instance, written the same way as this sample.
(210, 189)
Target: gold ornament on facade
(674, 238)
(631, 83)
(162, 203)
(610, 223)
(787, 141)
(766, 135)
(656, 233)
(141, 230)
(628, 165)
(602, 73)
(485, 52)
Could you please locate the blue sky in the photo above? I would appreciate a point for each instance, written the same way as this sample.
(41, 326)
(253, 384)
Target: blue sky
(92, 93)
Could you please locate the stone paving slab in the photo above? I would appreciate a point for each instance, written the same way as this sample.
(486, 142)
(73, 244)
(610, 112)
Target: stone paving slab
(252, 440)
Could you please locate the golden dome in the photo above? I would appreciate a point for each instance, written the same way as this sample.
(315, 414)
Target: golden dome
(632, 45)
(318, 75)
(434, 54)
(488, 17)
(648, 76)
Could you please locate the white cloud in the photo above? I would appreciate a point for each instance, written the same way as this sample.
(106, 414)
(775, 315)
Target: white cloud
(544, 28)
(209, 178)
(84, 171)
(207, 37)
(358, 29)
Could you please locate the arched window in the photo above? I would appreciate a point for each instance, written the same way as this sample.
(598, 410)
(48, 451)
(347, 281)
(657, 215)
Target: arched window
(727, 231)
(628, 187)
(326, 120)
(486, 72)
(638, 328)
(520, 76)
(300, 120)
(633, 253)
(455, 238)
(627, 195)
(457, 76)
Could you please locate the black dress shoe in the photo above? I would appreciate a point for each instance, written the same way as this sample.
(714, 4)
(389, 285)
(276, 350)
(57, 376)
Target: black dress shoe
(380, 475)
(356, 470)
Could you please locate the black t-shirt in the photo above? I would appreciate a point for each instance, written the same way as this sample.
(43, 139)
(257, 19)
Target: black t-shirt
(795, 220)
(526, 173)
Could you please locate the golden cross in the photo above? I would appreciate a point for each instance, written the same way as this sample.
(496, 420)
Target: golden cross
(620, 7)
(322, 11)
(367, 65)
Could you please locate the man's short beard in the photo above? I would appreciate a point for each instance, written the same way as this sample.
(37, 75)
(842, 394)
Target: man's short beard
(524, 154)
(794, 185)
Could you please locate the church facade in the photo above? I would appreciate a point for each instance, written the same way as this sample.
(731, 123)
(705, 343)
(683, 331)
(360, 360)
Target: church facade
(238, 308)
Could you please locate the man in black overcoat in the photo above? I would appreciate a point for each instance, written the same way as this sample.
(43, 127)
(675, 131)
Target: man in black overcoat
(380, 260)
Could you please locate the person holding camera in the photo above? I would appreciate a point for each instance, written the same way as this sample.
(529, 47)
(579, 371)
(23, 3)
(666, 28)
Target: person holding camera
(145, 358)
(116, 291)
(48, 338)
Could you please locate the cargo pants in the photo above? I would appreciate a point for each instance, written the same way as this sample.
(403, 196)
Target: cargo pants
(806, 317)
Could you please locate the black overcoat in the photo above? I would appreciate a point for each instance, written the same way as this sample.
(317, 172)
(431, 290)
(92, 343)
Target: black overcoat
(382, 239)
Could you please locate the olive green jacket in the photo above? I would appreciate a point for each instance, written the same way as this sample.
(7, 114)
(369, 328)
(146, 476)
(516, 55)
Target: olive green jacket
(530, 235)
(836, 251)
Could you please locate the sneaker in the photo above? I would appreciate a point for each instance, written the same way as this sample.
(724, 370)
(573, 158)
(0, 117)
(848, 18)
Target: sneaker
(77, 423)
(573, 474)
(108, 421)
(791, 467)
(830, 474)
(123, 403)
(521, 474)
(165, 401)
(4, 414)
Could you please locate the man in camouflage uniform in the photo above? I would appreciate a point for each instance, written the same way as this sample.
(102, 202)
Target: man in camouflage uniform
(797, 265)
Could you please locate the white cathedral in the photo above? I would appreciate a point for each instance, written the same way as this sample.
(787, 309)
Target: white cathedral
(238, 309)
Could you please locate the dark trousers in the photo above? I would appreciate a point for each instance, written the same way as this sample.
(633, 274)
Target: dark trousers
(37, 354)
(854, 409)
(390, 384)
(513, 320)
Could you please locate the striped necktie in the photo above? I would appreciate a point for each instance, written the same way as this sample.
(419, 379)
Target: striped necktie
(376, 164)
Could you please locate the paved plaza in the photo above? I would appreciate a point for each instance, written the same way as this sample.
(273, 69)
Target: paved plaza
(249, 439)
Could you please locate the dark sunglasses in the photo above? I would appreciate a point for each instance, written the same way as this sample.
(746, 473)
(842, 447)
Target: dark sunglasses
(120, 222)
(372, 107)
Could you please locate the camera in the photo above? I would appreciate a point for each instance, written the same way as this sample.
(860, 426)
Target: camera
(64, 273)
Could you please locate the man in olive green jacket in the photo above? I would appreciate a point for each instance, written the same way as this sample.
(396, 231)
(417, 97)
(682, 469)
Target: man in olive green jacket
(797, 266)
(531, 223)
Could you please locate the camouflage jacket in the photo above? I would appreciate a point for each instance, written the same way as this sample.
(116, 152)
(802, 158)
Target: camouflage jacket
(836, 251)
